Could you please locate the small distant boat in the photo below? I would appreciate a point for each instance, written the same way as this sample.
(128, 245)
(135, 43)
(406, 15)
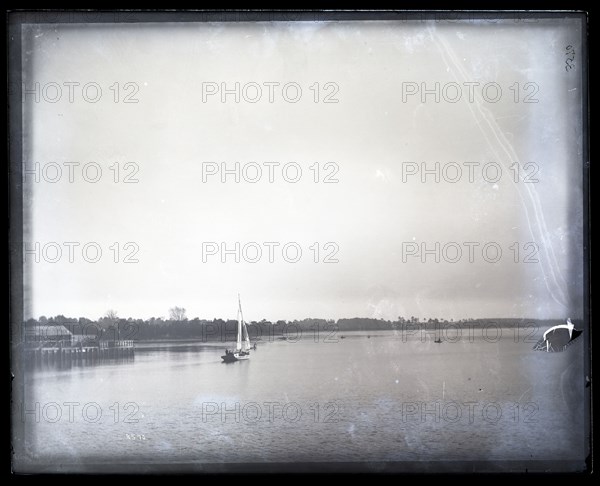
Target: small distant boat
(242, 348)
(558, 338)
(438, 339)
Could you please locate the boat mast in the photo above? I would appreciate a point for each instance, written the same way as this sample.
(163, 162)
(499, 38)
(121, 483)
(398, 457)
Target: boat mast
(244, 331)
(239, 327)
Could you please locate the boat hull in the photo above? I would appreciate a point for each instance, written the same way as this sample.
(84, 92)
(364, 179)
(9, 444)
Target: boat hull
(233, 357)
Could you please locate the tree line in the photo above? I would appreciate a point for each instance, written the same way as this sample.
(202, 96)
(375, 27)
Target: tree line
(178, 326)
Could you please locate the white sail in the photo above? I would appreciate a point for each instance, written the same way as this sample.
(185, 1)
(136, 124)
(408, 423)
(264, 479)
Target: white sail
(247, 339)
(238, 346)
(243, 341)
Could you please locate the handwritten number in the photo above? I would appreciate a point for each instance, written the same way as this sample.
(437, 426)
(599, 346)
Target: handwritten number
(570, 60)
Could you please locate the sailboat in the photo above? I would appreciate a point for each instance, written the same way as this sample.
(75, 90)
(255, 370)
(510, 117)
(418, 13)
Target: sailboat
(242, 347)
(438, 340)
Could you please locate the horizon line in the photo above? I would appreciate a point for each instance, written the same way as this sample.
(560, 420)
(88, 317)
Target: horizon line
(419, 319)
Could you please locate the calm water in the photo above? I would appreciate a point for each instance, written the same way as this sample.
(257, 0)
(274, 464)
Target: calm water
(383, 398)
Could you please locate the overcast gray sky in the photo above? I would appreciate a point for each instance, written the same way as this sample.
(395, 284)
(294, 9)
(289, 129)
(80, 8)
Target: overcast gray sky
(368, 134)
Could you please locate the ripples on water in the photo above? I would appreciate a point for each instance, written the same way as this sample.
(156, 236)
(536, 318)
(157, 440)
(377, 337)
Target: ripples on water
(377, 398)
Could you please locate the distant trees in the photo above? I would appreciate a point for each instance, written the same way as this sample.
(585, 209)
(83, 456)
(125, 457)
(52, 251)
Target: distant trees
(111, 327)
(177, 314)
(111, 321)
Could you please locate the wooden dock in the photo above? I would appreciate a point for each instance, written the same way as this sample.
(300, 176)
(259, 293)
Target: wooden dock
(80, 354)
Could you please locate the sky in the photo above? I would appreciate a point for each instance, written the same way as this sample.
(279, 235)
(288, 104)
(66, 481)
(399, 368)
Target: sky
(146, 107)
